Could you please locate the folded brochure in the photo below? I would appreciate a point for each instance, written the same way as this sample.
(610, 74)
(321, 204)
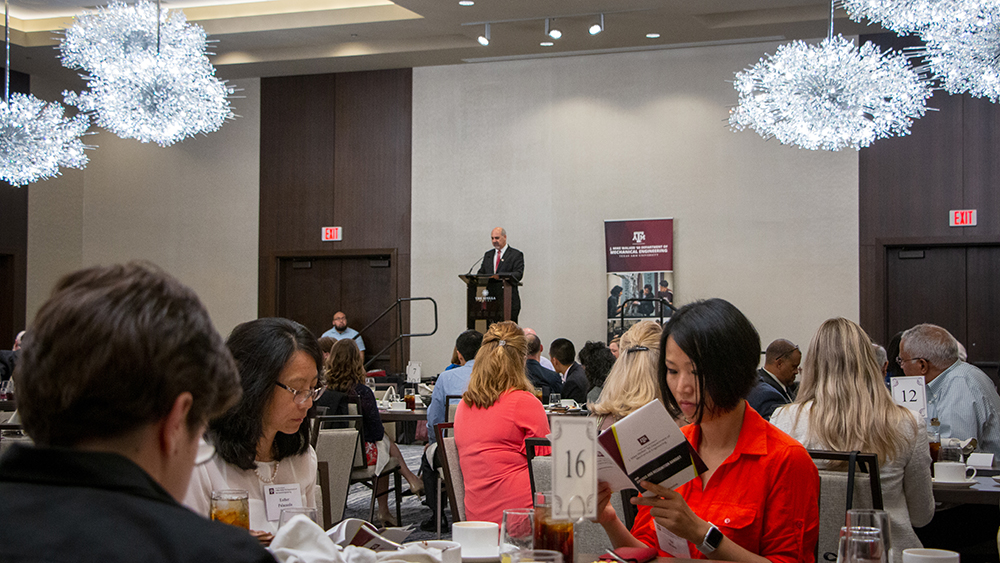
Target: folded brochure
(646, 445)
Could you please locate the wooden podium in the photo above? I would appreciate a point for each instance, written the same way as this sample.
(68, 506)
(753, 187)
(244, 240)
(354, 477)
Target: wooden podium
(488, 299)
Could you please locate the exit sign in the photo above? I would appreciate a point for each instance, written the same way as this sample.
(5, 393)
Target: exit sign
(962, 218)
(333, 233)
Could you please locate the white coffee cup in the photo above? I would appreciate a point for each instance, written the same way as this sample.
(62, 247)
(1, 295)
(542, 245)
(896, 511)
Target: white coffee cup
(953, 472)
(397, 406)
(569, 403)
(922, 555)
(451, 552)
(478, 539)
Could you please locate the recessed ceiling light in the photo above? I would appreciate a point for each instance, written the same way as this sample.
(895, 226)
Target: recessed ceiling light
(652, 36)
(546, 43)
(466, 3)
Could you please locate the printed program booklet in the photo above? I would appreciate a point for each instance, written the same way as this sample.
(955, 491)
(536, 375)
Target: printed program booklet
(646, 445)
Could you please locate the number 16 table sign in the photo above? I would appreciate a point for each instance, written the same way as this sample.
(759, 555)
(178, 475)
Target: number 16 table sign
(574, 467)
(911, 393)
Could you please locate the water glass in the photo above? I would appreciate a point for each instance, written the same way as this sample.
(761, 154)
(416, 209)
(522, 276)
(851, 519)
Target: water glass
(517, 531)
(868, 519)
(864, 545)
(288, 513)
(555, 399)
(950, 453)
(536, 556)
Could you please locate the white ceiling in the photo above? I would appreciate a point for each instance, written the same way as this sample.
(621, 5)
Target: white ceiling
(285, 37)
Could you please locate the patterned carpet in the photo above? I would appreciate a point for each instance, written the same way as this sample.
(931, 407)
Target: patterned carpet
(413, 509)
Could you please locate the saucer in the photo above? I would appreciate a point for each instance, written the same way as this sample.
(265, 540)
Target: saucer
(954, 484)
(481, 558)
(996, 478)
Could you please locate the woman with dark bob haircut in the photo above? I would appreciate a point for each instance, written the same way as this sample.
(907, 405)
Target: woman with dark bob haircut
(264, 439)
(758, 501)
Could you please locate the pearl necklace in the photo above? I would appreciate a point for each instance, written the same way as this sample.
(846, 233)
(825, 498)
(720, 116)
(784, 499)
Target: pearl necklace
(273, 474)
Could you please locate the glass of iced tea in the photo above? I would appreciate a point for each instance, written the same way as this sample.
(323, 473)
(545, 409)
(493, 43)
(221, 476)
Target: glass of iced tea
(555, 535)
(410, 398)
(231, 506)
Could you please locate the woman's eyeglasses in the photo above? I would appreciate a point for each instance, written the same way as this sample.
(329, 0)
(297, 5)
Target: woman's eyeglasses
(302, 396)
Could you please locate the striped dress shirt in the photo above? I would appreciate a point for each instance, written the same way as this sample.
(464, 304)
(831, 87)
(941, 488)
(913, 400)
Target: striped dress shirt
(966, 403)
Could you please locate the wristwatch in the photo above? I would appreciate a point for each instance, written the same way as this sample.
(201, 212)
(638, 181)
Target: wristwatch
(712, 541)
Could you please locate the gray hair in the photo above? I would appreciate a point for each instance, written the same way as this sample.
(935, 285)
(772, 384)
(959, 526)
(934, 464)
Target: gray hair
(880, 356)
(932, 343)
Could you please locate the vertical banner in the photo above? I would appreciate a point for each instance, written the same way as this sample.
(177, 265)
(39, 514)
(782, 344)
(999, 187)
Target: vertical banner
(640, 265)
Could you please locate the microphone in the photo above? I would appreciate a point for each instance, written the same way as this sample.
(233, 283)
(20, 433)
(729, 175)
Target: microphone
(478, 261)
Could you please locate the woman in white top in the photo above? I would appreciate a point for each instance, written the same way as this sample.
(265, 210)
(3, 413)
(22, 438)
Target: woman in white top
(264, 439)
(843, 405)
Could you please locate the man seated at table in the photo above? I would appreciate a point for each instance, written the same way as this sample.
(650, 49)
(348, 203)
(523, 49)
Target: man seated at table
(776, 379)
(574, 378)
(451, 382)
(545, 379)
(959, 394)
(119, 375)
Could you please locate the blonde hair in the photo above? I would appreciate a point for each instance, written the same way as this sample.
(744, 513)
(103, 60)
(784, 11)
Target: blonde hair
(499, 366)
(632, 381)
(344, 368)
(851, 409)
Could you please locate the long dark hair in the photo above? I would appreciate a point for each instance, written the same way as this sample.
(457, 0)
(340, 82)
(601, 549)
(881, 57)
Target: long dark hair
(261, 349)
(723, 346)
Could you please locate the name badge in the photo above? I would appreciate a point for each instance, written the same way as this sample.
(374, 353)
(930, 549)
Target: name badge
(277, 497)
(671, 542)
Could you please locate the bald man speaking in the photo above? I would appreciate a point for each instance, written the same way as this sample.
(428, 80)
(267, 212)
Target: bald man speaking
(504, 260)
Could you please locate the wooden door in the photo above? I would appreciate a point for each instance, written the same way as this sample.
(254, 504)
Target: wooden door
(926, 285)
(983, 337)
(311, 290)
(7, 300)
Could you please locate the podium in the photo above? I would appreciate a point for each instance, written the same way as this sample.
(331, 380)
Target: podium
(488, 300)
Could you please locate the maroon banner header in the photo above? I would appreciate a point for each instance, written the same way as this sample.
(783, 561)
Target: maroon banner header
(640, 245)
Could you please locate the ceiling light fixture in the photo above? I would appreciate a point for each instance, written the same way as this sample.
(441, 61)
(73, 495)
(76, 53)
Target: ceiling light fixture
(484, 39)
(35, 138)
(652, 36)
(546, 43)
(597, 27)
(551, 31)
(964, 57)
(466, 3)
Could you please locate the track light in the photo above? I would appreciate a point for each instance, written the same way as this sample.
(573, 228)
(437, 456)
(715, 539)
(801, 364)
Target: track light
(484, 40)
(551, 31)
(597, 27)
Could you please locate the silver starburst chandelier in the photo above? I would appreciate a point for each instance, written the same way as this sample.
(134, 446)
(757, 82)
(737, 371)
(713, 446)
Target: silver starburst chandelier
(966, 57)
(149, 76)
(35, 137)
(829, 96)
(908, 16)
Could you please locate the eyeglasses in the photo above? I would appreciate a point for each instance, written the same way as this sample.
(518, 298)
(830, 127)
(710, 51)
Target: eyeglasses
(900, 361)
(301, 397)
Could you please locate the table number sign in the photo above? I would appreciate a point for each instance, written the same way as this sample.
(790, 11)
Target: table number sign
(911, 393)
(574, 467)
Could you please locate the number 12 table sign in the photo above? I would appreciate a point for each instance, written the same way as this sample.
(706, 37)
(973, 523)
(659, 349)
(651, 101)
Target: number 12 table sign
(574, 467)
(911, 393)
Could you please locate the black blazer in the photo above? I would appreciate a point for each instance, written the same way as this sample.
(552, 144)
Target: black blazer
(576, 386)
(767, 395)
(512, 262)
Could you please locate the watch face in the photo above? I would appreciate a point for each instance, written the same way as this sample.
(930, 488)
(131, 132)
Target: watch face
(713, 538)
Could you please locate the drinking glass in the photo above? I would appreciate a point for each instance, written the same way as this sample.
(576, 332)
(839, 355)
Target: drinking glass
(231, 506)
(555, 399)
(868, 519)
(536, 556)
(410, 397)
(7, 390)
(950, 453)
(517, 531)
(556, 535)
(288, 513)
(864, 545)
(370, 383)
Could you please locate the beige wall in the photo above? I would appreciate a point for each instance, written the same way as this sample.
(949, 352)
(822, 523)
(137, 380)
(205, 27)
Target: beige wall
(191, 208)
(551, 148)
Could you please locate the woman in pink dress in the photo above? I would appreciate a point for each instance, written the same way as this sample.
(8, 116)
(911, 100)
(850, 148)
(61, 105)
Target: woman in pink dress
(498, 411)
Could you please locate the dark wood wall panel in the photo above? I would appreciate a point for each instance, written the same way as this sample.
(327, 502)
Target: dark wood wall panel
(908, 185)
(335, 151)
(13, 247)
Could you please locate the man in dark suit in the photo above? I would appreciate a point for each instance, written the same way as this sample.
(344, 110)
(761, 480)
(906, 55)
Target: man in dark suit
(503, 260)
(575, 384)
(775, 386)
(540, 376)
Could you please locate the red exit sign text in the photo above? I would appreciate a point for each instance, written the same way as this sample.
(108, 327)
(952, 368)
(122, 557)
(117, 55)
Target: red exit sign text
(333, 233)
(962, 218)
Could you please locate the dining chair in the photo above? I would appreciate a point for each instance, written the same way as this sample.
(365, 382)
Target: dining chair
(835, 484)
(448, 456)
(452, 406)
(331, 446)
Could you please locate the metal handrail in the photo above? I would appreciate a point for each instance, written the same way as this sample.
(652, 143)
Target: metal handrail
(401, 336)
(661, 300)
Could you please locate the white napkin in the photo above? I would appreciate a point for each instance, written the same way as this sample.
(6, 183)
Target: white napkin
(302, 541)
(413, 553)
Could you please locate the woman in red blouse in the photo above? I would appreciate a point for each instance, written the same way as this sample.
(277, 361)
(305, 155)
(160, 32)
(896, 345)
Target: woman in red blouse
(498, 411)
(758, 501)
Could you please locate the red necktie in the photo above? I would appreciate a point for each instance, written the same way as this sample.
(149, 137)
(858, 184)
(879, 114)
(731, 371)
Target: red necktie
(497, 266)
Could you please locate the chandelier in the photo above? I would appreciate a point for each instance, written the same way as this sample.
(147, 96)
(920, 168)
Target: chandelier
(908, 16)
(149, 76)
(829, 96)
(35, 137)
